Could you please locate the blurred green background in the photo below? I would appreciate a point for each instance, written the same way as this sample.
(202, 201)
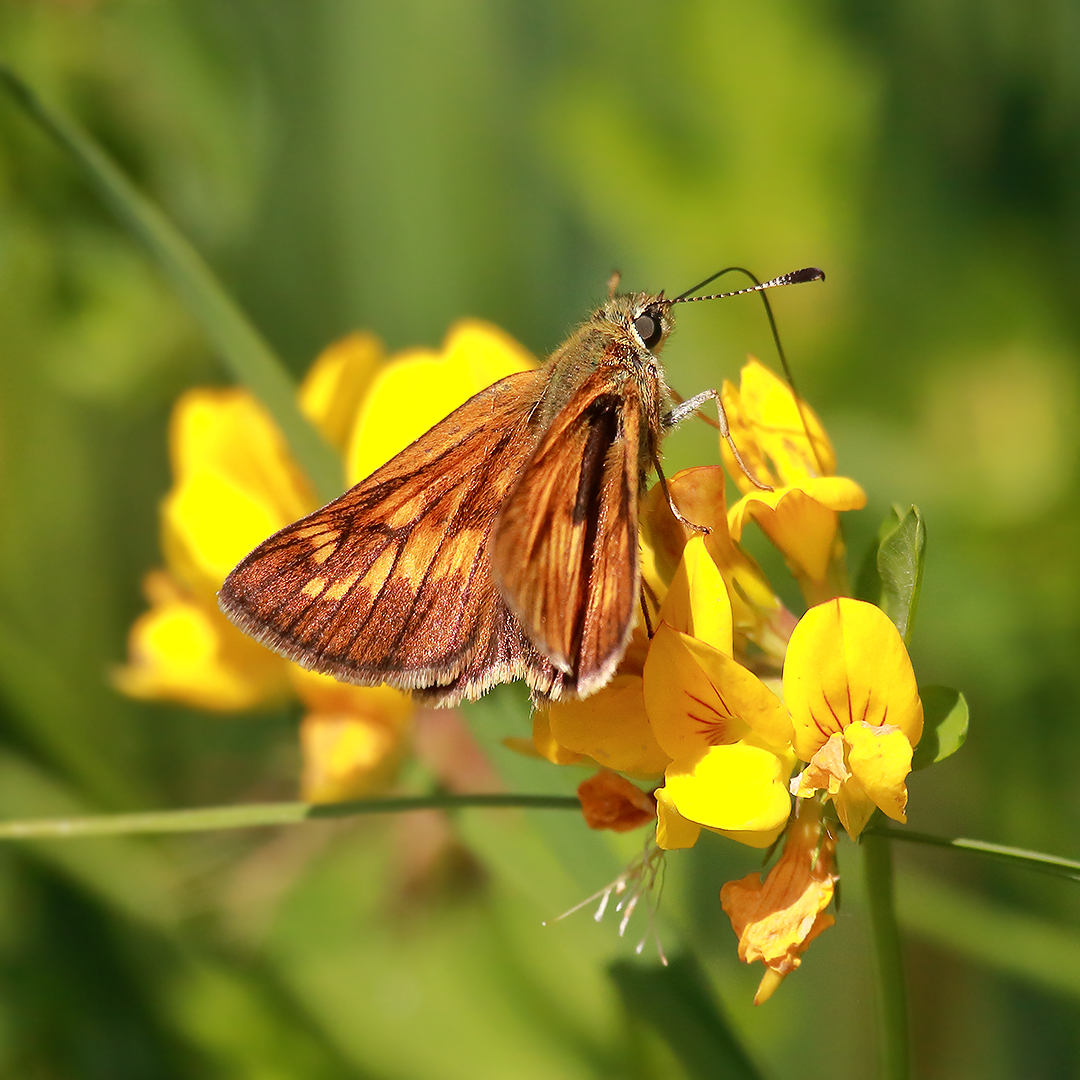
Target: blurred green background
(394, 166)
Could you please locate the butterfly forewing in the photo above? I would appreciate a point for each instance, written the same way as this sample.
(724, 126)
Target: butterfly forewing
(565, 551)
(392, 582)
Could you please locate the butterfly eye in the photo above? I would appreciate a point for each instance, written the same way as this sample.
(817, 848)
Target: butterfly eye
(648, 329)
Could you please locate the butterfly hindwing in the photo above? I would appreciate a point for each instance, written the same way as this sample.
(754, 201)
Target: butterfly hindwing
(565, 550)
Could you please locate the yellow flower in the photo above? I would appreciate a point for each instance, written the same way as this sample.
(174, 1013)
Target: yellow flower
(421, 386)
(352, 737)
(681, 706)
(728, 736)
(784, 444)
(339, 382)
(757, 614)
(780, 437)
(610, 726)
(184, 650)
(776, 920)
(235, 483)
(854, 703)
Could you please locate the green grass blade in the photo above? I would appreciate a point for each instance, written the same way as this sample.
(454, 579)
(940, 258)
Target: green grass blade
(1029, 860)
(248, 357)
(253, 815)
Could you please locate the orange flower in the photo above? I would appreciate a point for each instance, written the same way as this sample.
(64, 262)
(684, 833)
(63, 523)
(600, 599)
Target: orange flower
(776, 920)
(609, 801)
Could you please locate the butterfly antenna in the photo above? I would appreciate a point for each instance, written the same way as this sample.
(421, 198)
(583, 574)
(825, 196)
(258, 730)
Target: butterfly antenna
(795, 277)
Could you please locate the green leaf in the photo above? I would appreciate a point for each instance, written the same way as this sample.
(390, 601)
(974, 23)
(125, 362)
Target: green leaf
(891, 573)
(243, 350)
(677, 1002)
(945, 725)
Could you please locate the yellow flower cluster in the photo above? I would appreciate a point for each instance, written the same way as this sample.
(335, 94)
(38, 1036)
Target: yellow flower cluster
(234, 484)
(720, 696)
(732, 693)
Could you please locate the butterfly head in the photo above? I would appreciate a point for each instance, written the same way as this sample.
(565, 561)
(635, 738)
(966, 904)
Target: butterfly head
(642, 320)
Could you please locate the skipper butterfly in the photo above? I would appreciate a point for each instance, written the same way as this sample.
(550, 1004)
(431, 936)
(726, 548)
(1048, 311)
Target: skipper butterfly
(503, 543)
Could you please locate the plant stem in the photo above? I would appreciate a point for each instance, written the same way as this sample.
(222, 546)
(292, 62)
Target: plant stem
(889, 961)
(205, 819)
(1029, 860)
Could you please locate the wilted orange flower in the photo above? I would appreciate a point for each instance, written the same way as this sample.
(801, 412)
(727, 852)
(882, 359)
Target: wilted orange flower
(610, 801)
(776, 919)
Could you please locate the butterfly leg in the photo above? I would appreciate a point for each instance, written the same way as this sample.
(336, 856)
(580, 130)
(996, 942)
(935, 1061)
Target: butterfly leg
(671, 502)
(684, 408)
(645, 610)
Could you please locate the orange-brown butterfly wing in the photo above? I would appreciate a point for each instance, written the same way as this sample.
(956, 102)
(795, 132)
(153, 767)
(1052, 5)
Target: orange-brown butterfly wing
(392, 581)
(565, 550)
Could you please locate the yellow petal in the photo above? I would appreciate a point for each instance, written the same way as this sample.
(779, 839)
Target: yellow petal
(228, 431)
(847, 662)
(653, 585)
(352, 738)
(699, 495)
(697, 602)
(235, 484)
(546, 745)
(610, 727)
(181, 650)
(346, 756)
(801, 521)
(418, 388)
(697, 697)
(757, 838)
(673, 831)
(739, 788)
(754, 605)
(880, 759)
(767, 422)
(833, 492)
(334, 387)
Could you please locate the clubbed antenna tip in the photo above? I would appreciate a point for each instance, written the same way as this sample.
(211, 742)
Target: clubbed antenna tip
(797, 277)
